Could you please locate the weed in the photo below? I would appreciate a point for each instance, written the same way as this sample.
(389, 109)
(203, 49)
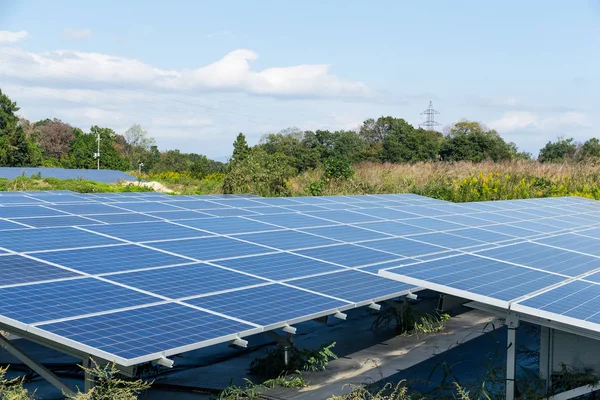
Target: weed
(272, 365)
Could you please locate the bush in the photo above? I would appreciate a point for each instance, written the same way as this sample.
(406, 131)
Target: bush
(12, 389)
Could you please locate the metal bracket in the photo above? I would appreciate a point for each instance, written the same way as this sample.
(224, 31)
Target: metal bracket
(375, 306)
(512, 320)
(289, 329)
(240, 342)
(340, 315)
(38, 368)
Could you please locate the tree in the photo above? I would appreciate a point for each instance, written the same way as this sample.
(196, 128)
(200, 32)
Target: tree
(85, 146)
(240, 148)
(16, 149)
(471, 141)
(54, 137)
(590, 149)
(138, 145)
(404, 143)
(560, 151)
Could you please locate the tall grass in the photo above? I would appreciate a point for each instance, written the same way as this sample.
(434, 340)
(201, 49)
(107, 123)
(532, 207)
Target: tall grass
(462, 181)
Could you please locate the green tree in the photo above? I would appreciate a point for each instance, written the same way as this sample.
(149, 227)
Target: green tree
(240, 148)
(85, 146)
(16, 149)
(470, 141)
(137, 145)
(404, 143)
(590, 149)
(560, 151)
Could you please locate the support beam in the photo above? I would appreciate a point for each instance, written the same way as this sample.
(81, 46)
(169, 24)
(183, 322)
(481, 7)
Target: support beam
(512, 323)
(570, 394)
(38, 368)
(88, 379)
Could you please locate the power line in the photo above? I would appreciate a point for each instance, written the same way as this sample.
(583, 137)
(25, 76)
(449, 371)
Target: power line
(430, 122)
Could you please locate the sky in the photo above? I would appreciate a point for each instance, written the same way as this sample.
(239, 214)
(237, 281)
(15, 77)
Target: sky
(196, 73)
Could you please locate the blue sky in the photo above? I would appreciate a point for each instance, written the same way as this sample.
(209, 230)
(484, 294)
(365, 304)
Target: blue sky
(195, 73)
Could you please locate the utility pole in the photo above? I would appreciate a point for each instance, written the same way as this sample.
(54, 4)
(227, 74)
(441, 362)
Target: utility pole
(97, 154)
(430, 122)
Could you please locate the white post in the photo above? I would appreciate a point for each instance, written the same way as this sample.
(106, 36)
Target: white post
(98, 153)
(512, 323)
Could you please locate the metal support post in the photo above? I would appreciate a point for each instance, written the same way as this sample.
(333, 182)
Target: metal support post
(38, 368)
(88, 380)
(512, 323)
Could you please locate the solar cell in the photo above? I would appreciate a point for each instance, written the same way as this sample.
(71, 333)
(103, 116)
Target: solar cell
(19, 200)
(185, 281)
(353, 286)
(270, 304)
(403, 247)
(211, 248)
(178, 215)
(239, 203)
(63, 299)
(300, 208)
(433, 224)
(148, 206)
(287, 240)
(122, 218)
(147, 231)
(481, 234)
(6, 225)
(575, 242)
(27, 211)
(16, 269)
(57, 221)
(229, 212)
(472, 221)
(446, 240)
(344, 216)
(545, 258)
(292, 221)
(149, 331)
(346, 233)
(393, 228)
(87, 209)
(102, 260)
(348, 255)
(228, 225)
(27, 240)
(278, 266)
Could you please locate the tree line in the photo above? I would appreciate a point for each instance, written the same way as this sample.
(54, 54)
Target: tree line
(54, 143)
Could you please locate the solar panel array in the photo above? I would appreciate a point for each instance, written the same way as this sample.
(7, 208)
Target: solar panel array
(132, 277)
(553, 273)
(103, 175)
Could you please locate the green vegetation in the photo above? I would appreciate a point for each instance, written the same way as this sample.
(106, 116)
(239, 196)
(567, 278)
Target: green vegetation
(12, 389)
(272, 364)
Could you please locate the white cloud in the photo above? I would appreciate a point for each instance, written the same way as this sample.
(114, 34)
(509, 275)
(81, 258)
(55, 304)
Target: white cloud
(77, 34)
(12, 37)
(233, 72)
(519, 120)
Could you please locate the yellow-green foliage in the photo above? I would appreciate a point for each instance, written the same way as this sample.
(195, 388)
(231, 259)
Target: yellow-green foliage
(110, 386)
(460, 182)
(12, 389)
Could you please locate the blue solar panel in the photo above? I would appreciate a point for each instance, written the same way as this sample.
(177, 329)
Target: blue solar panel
(279, 266)
(292, 221)
(229, 212)
(490, 278)
(6, 225)
(447, 240)
(481, 234)
(50, 239)
(87, 209)
(433, 224)
(63, 299)
(178, 215)
(545, 258)
(122, 218)
(27, 211)
(147, 231)
(536, 226)
(342, 216)
(102, 260)
(353, 286)
(270, 304)
(287, 240)
(349, 255)
(340, 206)
(228, 225)
(238, 203)
(576, 242)
(211, 248)
(19, 200)
(193, 204)
(59, 220)
(390, 264)
(575, 299)
(185, 281)
(466, 220)
(301, 208)
(106, 176)
(149, 330)
(148, 206)
(512, 231)
(278, 201)
(394, 228)
(15, 269)
(346, 233)
(493, 217)
(268, 210)
(403, 247)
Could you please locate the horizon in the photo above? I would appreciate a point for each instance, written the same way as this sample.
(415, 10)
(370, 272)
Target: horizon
(528, 72)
